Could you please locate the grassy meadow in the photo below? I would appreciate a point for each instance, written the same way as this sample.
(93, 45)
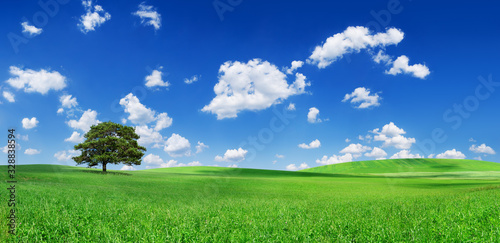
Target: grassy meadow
(411, 200)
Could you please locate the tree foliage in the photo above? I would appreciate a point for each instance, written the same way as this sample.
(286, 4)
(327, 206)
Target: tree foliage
(110, 143)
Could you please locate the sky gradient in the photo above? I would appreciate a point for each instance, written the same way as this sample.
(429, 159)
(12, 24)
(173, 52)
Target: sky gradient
(255, 84)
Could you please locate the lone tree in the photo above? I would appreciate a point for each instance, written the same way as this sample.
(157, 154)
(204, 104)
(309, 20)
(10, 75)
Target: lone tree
(110, 143)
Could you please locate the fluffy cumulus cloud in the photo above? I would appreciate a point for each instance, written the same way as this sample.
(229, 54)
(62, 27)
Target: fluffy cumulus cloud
(68, 101)
(127, 167)
(451, 154)
(30, 29)
(400, 65)
(232, 155)
(335, 159)
(154, 161)
(355, 148)
(177, 146)
(148, 136)
(30, 151)
(191, 80)
(155, 80)
(9, 96)
(312, 115)
(255, 85)
(88, 118)
(66, 155)
(200, 147)
(29, 123)
(312, 145)
(75, 137)
(376, 153)
(482, 149)
(293, 167)
(5, 149)
(352, 40)
(148, 15)
(140, 114)
(362, 96)
(392, 135)
(41, 81)
(295, 65)
(94, 17)
(291, 107)
(405, 154)
(163, 121)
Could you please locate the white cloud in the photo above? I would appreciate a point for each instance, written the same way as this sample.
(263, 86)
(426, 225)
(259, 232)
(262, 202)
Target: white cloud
(362, 95)
(376, 153)
(482, 149)
(86, 121)
(149, 16)
(128, 167)
(200, 147)
(30, 29)
(153, 159)
(148, 136)
(60, 110)
(405, 154)
(335, 159)
(312, 145)
(347, 140)
(291, 107)
(29, 123)
(22, 137)
(255, 85)
(67, 101)
(312, 116)
(163, 121)
(451, 154)
(478, 158)
(293, 167)
(9, 96)
(192, 79)
(391, 135)
(177, 146)
(233, 166)
(31, 151)
(401, 66)
(66, 155)
(355, 149)
(36, 81)
(295, 65)
(352, 40)
(381, 57)
(94, 16)
(75, 137)
(155, 79)
(280, 156)
(5, 149)
(138, 113)
(472, 140)
(195, 163)
(232, 155)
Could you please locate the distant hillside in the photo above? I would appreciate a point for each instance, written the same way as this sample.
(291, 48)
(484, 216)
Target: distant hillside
(407, 165)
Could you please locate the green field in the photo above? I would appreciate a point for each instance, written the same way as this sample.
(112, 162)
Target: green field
(419, 200)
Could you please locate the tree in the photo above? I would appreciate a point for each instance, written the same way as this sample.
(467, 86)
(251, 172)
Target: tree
(110, 143)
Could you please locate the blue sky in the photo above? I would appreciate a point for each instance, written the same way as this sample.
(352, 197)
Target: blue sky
(213, 83)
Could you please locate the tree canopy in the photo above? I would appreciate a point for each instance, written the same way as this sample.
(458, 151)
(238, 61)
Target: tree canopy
(110, 143)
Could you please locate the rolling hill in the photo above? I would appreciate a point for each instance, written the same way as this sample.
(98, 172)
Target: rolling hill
(407, 165)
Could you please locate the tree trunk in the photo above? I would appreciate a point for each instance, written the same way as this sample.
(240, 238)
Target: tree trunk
(104, 167)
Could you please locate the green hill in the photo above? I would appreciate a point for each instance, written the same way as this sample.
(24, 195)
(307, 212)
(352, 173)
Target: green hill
(407, 165)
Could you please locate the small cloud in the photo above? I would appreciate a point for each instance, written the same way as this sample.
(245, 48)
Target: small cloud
(155, 79)
(405, 154)
(75, 137)
(94, 17)
(30, 29)
(29, 123)
(293, 167)
(128, 167)
(362, 95)
(149, 15)
(177, 146)
(191, 80)
(401, 66)
(200, 147)
(451, 154)
(31, 151)
(482, 149)
(291, 107)
(312, 145)
(312, 116)
(335, 159)
(295, 65)
(280, 156)
(9, 96)
(232, 155)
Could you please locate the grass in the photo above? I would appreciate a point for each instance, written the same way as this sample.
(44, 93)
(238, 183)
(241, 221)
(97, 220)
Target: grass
(210, 204)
